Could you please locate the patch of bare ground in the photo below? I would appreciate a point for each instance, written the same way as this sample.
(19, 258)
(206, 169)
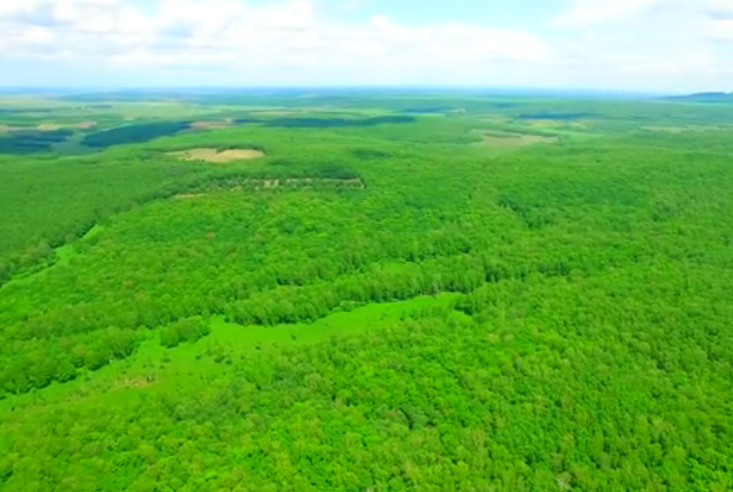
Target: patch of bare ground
(516, 140)
(216, 155)
(208, 125)
(5, 128)
(545, 123)
(86, 125)
(48, 127)
(135, 382)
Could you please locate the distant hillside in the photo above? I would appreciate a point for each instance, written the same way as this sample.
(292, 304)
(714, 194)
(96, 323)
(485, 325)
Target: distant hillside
(706, 97)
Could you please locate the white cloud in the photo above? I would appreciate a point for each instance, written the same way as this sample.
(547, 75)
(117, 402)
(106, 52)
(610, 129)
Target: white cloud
(621, 43)
(585, 13)
(721, 29)
(656, 43)
(720, 9)
(238, 34)
(353, 4)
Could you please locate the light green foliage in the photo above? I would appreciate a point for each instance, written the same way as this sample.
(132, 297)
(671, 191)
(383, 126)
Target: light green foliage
(383, 307)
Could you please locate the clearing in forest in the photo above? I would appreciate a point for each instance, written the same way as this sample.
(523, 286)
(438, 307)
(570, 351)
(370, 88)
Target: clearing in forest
(48, 127)
(516, 139)
(216, 155)
(86, 125)
(207, 125)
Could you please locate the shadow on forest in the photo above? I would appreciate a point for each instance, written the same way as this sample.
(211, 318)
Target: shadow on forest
(32, 141)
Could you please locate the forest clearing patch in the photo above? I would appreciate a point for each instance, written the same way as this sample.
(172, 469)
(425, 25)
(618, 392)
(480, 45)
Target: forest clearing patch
(134, 382)
(516, 140)
(86, 125)
(494, 118)
(667, 129)
(48, 127)
(582, 125)
(208, 125)
(545, 123)
(217, 155)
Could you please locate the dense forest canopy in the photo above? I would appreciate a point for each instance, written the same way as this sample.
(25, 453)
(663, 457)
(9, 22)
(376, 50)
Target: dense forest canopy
(403, 292)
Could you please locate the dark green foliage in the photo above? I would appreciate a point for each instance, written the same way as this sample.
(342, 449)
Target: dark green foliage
(28, 142)
(143, 132)
(370, 154)
(185, 330)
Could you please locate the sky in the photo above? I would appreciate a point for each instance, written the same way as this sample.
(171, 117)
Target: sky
(661, 46)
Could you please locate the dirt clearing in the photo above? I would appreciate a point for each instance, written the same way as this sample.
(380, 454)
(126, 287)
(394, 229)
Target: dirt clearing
(218, 156)
(516, 140)
(208, 125)
(48, 127)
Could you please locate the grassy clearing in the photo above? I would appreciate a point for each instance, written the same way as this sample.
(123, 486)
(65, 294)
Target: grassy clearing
(210, 125)
(61, 256)
(86, 125)
(510, 140)
(156, 366)
(216, 155)
(49, 127)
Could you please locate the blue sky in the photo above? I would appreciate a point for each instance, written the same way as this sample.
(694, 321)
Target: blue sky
(622, 45)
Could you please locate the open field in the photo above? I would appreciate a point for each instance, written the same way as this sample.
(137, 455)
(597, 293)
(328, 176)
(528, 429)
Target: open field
(409, 291)
(515, 140)
(216, 155)
(206, 125)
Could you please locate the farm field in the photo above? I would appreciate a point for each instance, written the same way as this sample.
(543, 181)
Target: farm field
(365, 291)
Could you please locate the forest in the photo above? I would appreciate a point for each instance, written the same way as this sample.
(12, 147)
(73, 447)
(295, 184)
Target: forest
(396, 292)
